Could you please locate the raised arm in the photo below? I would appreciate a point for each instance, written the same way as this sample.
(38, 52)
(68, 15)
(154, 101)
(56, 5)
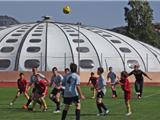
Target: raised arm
(130, 73)
(146, 75)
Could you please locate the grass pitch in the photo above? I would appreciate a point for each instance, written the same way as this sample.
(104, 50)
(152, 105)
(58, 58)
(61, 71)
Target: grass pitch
(147, 108)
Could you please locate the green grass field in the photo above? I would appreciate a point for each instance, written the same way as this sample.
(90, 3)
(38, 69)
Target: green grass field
(147, 108)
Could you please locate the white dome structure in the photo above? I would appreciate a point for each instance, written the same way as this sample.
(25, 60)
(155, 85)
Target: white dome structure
(46, 44)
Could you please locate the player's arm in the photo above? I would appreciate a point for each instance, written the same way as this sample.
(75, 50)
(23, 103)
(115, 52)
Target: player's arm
(88, 81)
(29, 86)
(108, 77)
(43, 77)
(79, 89)
(130, 73)
(51, 83)
(80, 92)
(146, 75)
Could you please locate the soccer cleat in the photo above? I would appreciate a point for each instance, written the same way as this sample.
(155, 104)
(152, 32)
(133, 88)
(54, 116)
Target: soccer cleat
(93, 97)
(100, 114)
(139, 97)
(11, 103)
(113, 96)
(128, 114)
(45, 110)
(107, 111)
(57, 111)
(25, 107)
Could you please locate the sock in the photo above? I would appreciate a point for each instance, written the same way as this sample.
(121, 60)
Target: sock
(99, 107)
(129, 108)
(58, 106)
(64, 114)
(28, 102)
(115, 93)
(103, 106)
(77, 114)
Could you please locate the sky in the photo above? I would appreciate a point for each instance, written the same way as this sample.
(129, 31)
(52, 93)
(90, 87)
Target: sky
(103, 13)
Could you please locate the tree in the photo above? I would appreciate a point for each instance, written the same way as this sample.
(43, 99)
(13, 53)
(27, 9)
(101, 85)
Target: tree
(139, 16)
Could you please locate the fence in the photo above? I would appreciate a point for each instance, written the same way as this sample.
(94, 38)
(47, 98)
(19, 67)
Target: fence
(87, 62)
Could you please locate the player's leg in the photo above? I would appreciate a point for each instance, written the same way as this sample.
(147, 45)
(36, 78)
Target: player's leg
(128, 106)
(114, 94)
(137, 89)
(93, 92)
(58, 101)
(65, 111)
(26, 95)
(141, 88)
(100, 104)
(42, 99)
(17, 95)
(76, 100)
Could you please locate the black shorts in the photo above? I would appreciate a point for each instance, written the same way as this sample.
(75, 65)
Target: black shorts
(70, 100)
(55, 91)
(100, 94)
(33, 90)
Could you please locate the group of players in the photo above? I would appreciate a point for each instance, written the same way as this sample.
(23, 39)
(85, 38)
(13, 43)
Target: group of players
(68, 86)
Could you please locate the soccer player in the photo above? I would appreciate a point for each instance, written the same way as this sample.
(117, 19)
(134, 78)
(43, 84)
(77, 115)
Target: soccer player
(34, 77)
(72, 92)
(124, 82)
(56, 81)
(139, 80)
(101, 90)
(93, 80)
(41, 91)
(66, 72)
(112, 76)
(22, 84)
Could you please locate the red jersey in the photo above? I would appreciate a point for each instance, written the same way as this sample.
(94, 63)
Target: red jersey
(126, 88)
(22, 83)
(93, 80)
(41, 87)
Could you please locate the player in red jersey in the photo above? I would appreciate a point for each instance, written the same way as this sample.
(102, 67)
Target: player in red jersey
(22, 83)
(41, 91)
(124, 82)
(93, 80)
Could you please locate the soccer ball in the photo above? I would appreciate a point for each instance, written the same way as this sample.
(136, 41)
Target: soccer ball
(66, 9)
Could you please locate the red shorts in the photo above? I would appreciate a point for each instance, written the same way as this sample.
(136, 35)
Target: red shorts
(22, 91)
(127, 96)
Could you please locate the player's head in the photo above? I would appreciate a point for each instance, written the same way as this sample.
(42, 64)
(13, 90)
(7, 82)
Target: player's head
(54, 70)
(110, 68)
(136, 67)
(34, 70)
(100, 71)
(21, 75)
(92, 74)
(73, 67)
(124, 75)
(66, 70)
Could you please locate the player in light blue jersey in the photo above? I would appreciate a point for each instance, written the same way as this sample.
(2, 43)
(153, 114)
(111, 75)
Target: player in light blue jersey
(101, 90)
(112, 76)
(56, 82)
(72, 92)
